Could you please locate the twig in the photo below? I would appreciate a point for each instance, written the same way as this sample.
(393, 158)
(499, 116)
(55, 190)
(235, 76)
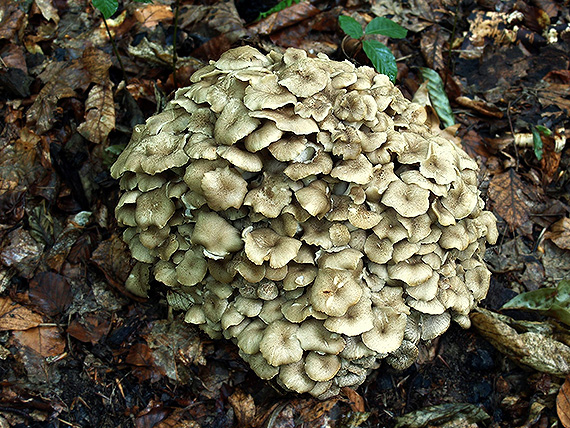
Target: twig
(174, 55)
(513, 134)
(115, 50)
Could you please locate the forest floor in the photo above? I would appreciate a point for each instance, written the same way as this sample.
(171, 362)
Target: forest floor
(77, 350)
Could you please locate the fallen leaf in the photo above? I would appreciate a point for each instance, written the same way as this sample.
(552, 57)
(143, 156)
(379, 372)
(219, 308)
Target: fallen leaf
(563, 403)
(10, 19)
(48, 10)
(45, 340)
(173, 343)
(414, 15)
(550, 161)
(355, 399)
(531, 348)
(431, 46)
(460, 413)
(62, 80)
(480, 106)
(14, 316)
(13, 57)
(23, 252)
(284, 18)
(99, 114)
(178, 418)
(50, 292)
(97, 63)
(559, 233)
(244, 408)
(90, 327)
(474, 145)
(510, 201)
(151, 15)
(552, 301)
(113, 258)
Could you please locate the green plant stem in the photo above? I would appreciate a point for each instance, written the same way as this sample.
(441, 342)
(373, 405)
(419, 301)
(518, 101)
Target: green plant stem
(174, 55)
(115, 50)
(451, 41)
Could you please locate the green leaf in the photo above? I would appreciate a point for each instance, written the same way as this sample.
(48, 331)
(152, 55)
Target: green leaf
(283, 4)
(438, 97)
(537, 142)
(551, 301)
(544, 130)
(350, 26)
(381, 57)
(106, 7)
(386, 27)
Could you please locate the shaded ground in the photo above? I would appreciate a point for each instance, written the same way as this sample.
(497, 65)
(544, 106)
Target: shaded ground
(77, 350)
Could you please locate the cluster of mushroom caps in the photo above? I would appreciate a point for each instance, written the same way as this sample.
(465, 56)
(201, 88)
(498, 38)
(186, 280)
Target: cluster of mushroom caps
(301, 207)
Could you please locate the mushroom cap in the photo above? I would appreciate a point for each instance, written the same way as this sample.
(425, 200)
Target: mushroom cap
(218, 237)
(321, 367)
(280, 345)
(334, 291)
(303, 209)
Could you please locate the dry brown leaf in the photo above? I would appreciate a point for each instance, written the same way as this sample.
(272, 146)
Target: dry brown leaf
(14, 316)
(99, 114)
(563, 403)
(244, 408)
(355, 399)
(97, 63)
(480, 106)
(474, 145)
(150, 15)
(90, 327)
(550, 158)
(177, 419)
(62, 80)
(113, 258)
(284, 18)
(559, 233)
(510, 201)
(13, 57)
(10, 19)
(415, 15)
(554, 94)
(432, 45)
(50, 292)
(46, 341)
(48, 10)
(23, 253)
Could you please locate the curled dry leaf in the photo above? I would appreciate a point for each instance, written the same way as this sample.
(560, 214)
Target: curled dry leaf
(458, 414)
(530, 348)
(563, 403)
(48, 10)
(14, 316)
(559, 233)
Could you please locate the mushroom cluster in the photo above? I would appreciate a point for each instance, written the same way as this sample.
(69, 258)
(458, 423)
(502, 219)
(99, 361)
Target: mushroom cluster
(302, 208)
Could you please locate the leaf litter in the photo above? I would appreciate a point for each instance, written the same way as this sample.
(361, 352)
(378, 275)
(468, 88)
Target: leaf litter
(108, 358)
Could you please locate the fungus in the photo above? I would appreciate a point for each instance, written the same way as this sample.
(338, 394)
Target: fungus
(301, 208)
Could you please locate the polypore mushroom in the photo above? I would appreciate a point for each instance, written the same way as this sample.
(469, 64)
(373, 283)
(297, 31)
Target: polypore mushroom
(301, 208)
